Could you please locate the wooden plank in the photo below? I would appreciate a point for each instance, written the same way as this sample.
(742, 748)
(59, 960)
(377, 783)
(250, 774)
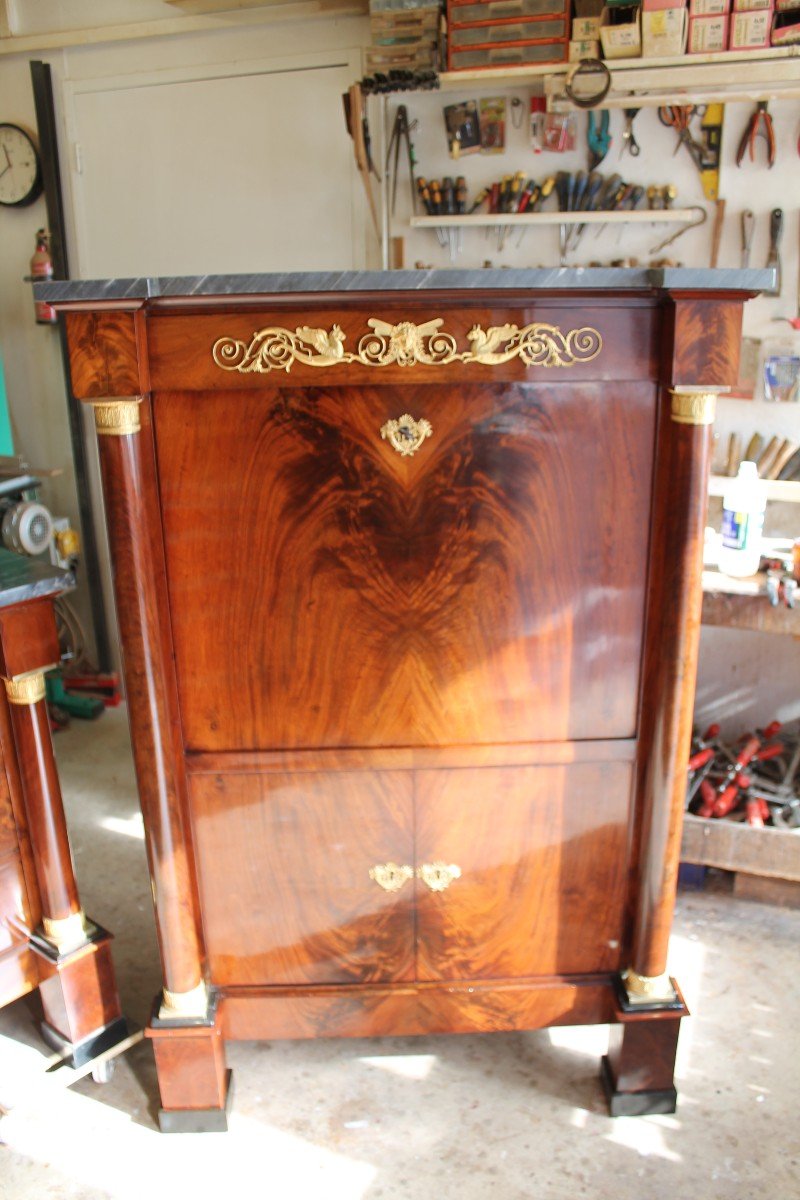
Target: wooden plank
(787, 490)
(649, 216)
(734, 846)
(749, 612)
(767, 891)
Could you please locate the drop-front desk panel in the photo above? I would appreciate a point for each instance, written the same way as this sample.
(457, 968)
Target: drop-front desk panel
(408, 588)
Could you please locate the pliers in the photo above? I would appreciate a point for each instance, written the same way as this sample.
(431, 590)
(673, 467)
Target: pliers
(754, 130)
(599, 138)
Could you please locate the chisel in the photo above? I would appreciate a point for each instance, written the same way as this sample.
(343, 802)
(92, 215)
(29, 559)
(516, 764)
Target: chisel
(748, 224)
(792, 468)
(785, 454)
(754, 446)
(734, 454)
(768, 456)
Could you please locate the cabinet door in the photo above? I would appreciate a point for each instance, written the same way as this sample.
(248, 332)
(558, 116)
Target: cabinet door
(284, 865)
(542, 861)
(327, 591)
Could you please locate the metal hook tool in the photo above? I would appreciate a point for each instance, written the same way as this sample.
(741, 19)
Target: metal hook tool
(701, 220)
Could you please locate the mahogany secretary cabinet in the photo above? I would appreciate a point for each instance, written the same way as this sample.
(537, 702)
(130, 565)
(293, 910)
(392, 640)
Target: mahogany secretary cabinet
(46, 941)
(407, 569)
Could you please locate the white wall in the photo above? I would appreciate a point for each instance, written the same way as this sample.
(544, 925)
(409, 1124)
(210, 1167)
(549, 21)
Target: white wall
(231, 46)
(32, 361)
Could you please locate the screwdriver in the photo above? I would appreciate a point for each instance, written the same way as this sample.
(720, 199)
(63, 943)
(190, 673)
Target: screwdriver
(631, 200)
(479, 199)
(461, 207)
(513, 192)
(612, 195)
(580, 184)
(436, 201)
(527, 195)
(539, 195)
(591, 201)
(655, 197)
(565, 187)
(449, 208)
(428, 205)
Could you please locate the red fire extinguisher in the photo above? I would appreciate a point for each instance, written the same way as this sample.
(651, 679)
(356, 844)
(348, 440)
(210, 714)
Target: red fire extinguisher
(42, 268)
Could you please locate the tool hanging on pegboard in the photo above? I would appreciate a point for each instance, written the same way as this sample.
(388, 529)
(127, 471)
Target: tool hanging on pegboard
(711, 134)
(355, 115)
(401, 136)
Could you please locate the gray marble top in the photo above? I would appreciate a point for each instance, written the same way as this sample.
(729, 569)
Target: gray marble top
(305, 282)
(30, 578)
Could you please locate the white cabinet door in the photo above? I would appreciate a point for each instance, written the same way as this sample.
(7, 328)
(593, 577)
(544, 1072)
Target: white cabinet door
(246, 168)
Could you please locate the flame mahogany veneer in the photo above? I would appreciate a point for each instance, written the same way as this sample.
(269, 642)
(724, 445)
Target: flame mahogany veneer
(338, 658)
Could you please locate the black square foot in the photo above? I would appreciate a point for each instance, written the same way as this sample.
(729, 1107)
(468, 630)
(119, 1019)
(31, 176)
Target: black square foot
(198, 1120)
(78, 1054)
(636, 1104)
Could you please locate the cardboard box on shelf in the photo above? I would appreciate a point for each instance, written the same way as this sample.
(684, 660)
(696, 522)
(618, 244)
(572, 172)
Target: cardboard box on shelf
(585, 29)
(709, 8)
(588, 8)
(621, 31)
(751, 5)
(707, 35)
(586, 48)
(750, 30)
(786, 28)
(663, 32)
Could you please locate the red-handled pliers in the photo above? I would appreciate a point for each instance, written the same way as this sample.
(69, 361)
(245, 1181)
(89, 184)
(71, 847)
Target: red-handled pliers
(754, 131)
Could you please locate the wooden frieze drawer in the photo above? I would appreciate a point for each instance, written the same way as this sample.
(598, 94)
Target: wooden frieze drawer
(408, 585)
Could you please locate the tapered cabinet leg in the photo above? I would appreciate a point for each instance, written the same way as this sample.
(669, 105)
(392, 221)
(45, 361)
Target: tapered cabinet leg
(193, 1081)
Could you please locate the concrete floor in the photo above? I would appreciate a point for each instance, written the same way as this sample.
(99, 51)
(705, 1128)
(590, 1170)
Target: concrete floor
(505, 1115)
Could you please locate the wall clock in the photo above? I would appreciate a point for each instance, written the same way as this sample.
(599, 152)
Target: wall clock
(20, 168)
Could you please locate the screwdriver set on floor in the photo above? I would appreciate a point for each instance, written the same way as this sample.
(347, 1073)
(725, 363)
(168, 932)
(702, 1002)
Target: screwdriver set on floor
(756, 779)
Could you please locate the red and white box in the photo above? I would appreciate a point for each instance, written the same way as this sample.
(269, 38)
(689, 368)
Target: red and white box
(663, 28)
(750, 30)
(752, 5)
(786, 27)
(707, 35)
(709, 8)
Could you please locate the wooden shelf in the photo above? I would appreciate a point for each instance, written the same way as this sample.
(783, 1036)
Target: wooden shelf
(734, 846)
(702, 78)
(787, 490)
(676, 216)
(754, 613)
